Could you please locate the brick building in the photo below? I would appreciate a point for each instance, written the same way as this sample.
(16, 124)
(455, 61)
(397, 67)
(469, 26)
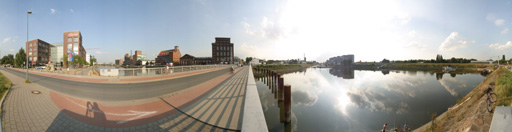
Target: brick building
(119, 61)
(38, 52)
(73, 43)
(191, 60)
(169, 56)
(222, 51)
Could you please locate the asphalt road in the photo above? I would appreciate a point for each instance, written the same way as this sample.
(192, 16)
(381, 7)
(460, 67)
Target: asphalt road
(118, 92)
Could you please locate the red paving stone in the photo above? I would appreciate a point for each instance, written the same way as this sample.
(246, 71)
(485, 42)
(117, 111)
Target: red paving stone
(95, 113)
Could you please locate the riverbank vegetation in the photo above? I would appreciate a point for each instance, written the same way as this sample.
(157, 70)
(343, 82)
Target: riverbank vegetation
(5, 84)
(470, 112)
(503, 87)
(285, 68)
(424, 66)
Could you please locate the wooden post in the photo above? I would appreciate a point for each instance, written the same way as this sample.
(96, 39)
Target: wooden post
(268, 78)
(287, 103)
(280, 89)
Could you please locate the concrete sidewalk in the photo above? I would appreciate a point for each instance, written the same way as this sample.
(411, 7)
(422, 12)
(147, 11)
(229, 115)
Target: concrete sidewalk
(198, 108)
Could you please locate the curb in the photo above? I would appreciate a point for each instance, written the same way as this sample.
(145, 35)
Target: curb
(253, 118)
(2, 105)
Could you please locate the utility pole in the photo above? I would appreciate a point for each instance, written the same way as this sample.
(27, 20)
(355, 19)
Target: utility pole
(26, 45)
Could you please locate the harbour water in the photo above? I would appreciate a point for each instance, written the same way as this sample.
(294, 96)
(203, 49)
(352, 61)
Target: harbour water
(353, 100)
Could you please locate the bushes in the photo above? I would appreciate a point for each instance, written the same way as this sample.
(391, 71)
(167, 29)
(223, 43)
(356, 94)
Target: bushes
(4, 84)
(504, 87)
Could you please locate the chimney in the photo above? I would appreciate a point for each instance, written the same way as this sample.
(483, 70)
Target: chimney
(176, 48)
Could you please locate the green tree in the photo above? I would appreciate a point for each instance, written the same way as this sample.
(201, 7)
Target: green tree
(8, 59)
(65, 60)
(503, 59)
(385, 61)
(439, 58)
(248, 59)
(93, 60)
(21, 57)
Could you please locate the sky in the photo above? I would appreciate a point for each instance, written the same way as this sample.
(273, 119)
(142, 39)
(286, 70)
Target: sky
(268, 29)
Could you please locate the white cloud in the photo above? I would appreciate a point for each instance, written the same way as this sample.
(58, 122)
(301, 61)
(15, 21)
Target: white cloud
(266, 29)
(11, 50)
(52, 11)
(71, 10)
(416, 45)
(453, 42)
(498, 46)
(504, 31)
(499, 22)
(5, 40)
(99, 52)
(490, 17)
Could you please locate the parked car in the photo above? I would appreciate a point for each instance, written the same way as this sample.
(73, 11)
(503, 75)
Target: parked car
(41, 67)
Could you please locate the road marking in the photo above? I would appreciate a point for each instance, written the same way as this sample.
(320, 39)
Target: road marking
(136, 114)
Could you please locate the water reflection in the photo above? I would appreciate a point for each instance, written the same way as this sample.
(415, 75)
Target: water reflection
(345, 72)
(348, 100)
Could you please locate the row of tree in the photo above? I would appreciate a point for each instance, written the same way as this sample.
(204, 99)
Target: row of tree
(439, 59)
(21, 59)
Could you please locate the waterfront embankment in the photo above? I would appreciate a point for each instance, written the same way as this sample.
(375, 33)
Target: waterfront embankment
(283, 69)
(470, 112)
(423, 66)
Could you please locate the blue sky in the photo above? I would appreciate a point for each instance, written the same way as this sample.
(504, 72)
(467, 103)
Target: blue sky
(269, 29)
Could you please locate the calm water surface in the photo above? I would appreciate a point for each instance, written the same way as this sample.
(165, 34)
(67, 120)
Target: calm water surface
(347, 100)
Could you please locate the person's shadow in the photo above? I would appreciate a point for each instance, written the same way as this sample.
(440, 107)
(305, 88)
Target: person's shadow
(93, 111)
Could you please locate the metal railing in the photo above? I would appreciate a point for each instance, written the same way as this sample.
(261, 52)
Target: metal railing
(164, 71)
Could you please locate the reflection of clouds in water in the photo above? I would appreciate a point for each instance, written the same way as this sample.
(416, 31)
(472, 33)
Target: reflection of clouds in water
(303, 98)
(403, 85)
(267, 99)
(450, 84)
(375, 101)
(313, 82)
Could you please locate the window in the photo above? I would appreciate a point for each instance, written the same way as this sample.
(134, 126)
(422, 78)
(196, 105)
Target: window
(29, 44)
(69, 40)
(75, 48)
(29, 53)
(70, 46)
(30, 59)
(217, 48)
(35, 58)
(40, 44)
(30, 49)
(75, 39)
(75, 45)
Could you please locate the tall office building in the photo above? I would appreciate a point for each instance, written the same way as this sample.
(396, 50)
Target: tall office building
(73, 43)
(38, 52)
(222, 51)
(56, 53)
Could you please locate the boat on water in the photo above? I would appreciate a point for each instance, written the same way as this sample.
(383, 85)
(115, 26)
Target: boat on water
(449, 69)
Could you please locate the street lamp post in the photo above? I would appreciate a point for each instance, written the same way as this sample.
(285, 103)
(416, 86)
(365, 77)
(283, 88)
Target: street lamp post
(26, 45)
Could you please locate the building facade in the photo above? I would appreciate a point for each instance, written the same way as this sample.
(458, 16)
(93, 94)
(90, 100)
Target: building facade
(119, 61)
(38, 52)
(56, 55)
(73, 43)
(191, 60)
(169, 56)
(222, 51)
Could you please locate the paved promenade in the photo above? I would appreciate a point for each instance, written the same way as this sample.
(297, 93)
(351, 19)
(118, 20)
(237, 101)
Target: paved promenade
(215, 105)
